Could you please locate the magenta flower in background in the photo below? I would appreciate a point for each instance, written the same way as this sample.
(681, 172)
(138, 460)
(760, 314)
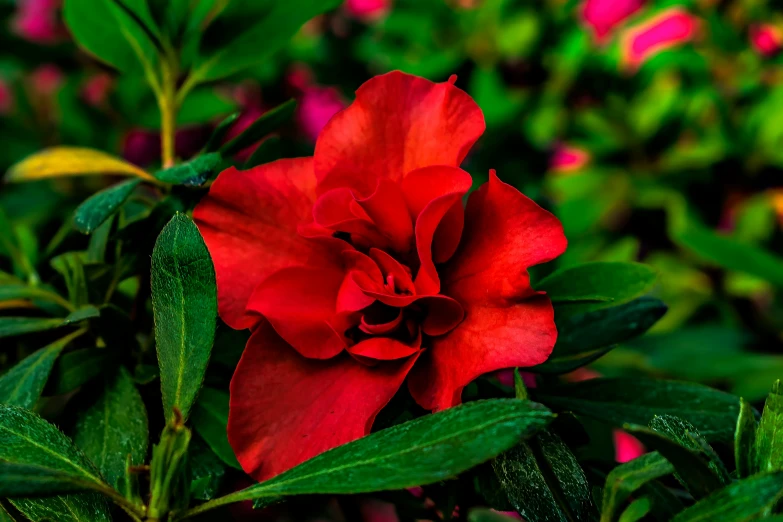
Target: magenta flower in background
(38, 21)
(6, 98)
(367, 10)
(316, 107)
(602, 16)
(669, 28)
(95, 90)
(46, 79)
(766, 39)
(567, 158)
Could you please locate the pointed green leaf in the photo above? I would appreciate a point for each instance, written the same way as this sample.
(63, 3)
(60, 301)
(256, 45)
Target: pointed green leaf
(114, 426)
(193, 173)
(275, 27)
(12, 291)
(742, 500)
(184, 302)
(585, 336)
(624, 480)
(220, 132)
(636, 400)
(536, 474)
(745, 441)
(22, 385)
(25, 438)
(609, 283)
(420, 452)
(71, 266)
(5, 516)
(695, 466)
(267, 123)
(206, 470)
(79, 367)
(102, 205)
(26, 480)
(268, 151)
(637, 510)
(11, 326)
(209, 419)
(769, 435)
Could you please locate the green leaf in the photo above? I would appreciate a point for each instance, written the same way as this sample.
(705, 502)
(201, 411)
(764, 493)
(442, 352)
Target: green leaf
(624, 480)
(209, 419)
(25, 438)
(426, 450)
(220, 132)
(25, 480)
(102, 205)
(184, 302)
(695, 465)
(71, 266)
(267, 123)
(72, 161)
(22, 385)
(267, 152)
(636, 400)
(5, 516)
(542, 475)
(11, 326)
(16, 290)
(274, 28)
(206, 470)
(79, 367)
(586, 336)
(601, 281)
(114, 426)
(742, 500)
(637, 510)
(730, 253)
(192, 173)
(745, 441)
(769, 435)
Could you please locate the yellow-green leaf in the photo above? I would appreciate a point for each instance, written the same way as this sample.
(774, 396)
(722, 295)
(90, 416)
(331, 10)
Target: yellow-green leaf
(71, 161)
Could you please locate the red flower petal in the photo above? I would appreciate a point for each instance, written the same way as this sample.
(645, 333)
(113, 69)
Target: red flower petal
(438, 226)
(397, 123)
(505, 324)
(286, 409)
(383, 349)
(300, 303)
(249, 221)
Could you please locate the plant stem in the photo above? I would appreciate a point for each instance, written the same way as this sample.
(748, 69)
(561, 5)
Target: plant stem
(169, 106)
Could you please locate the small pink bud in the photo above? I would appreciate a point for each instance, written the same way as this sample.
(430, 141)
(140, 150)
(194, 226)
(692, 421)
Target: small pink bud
(766, 39)
(95, 90)
(626, 446)
(6, 98)
(602, 16)
(38, 21)
(663, 31)
(46, 79)
(367, 10)
(566, 159)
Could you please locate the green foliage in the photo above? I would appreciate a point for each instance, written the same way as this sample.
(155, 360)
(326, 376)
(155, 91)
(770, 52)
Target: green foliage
(184, 301)
(101, 206)
(209, 418)
(624, 480)
(747, 498)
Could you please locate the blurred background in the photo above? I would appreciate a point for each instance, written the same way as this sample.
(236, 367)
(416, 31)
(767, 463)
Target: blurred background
(652, 129)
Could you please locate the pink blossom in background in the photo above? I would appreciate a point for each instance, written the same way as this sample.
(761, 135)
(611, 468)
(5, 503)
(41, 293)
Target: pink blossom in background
(316, 107)
(766, 39)
(141, 147)
(567, 158)
(367, 10)
(506, 378)
(670, 28)
(46, 79)
(95, 90)
(373, 510)
(626, 446)
(6, 97)
(601, 16)
(38, 21)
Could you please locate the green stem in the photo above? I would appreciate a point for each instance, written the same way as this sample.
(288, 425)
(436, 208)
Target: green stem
(169, 106)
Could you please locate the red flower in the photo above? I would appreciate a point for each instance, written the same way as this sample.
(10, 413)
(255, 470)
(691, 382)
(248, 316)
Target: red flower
(360, 267)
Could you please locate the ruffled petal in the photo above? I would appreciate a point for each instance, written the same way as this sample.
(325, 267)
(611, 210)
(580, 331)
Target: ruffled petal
(442, 189)
(506, 323)
(301, 304)
(249, 221)
(397, 123)
(286, 408)
(383, 349)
